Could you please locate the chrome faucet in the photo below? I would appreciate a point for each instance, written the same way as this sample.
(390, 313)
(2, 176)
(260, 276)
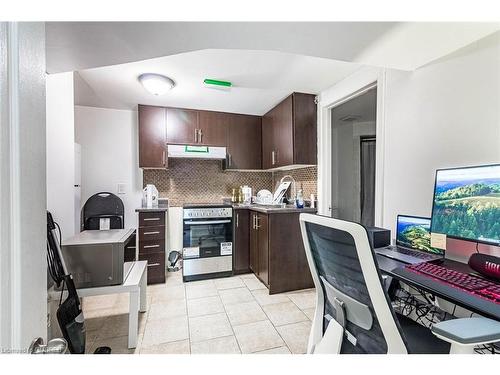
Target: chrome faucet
(293, 187)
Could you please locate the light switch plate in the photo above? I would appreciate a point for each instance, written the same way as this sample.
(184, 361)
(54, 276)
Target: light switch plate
(121, 188)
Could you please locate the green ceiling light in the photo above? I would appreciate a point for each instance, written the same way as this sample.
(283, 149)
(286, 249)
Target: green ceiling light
(217, 84)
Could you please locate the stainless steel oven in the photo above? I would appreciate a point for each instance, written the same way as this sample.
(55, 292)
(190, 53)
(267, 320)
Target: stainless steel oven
(207, 242)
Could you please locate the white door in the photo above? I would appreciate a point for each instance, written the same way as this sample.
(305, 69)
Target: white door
(23, 197)
(78, 185)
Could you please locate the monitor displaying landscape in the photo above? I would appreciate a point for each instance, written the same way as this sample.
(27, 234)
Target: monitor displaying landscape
(467, 204)
(415, 233)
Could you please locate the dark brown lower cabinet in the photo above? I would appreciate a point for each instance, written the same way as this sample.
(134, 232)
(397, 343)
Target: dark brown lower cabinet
(152, 240)
(156, 266)
(277, 255)
(241, 246)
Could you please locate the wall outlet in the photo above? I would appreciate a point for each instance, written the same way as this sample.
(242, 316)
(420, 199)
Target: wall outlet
(121, 188)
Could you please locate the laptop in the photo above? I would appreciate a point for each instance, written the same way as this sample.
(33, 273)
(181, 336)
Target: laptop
(413, 241)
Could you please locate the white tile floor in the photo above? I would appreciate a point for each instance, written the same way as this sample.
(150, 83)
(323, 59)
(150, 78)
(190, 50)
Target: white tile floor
(223, 316)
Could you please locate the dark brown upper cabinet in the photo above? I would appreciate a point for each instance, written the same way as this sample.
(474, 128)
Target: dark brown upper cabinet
(244, 142)
(182, 126)
(152, 137)
(194, 127)
(212, 129)
(289, 132)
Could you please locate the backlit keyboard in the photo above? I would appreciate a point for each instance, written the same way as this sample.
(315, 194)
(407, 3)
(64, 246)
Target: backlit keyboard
(472, 284)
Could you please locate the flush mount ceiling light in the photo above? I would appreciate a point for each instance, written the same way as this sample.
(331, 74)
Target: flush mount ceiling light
(156, 84)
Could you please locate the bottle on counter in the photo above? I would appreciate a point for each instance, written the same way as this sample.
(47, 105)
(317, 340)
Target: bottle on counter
(299, 201)
(234, 195)
(247, 194)
(240, 195)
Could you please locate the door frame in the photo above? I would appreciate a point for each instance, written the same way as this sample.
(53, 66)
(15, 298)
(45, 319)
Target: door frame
(359, 82)
(23, 267)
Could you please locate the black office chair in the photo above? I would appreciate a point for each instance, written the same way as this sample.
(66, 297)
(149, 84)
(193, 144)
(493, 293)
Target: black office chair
(103, 205)
(353, 312)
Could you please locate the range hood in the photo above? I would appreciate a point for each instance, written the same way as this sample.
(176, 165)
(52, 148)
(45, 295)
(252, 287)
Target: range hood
(196, 152)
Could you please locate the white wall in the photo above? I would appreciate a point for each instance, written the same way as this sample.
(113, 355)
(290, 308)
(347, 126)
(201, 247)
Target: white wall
(109, 154)
(61, 151)
(442, 115)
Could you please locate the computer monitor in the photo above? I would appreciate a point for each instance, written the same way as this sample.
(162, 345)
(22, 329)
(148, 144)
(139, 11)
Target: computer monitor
(466, 203)
(415, 232)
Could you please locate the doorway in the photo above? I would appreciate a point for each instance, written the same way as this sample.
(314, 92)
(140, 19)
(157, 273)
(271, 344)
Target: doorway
(354, 158)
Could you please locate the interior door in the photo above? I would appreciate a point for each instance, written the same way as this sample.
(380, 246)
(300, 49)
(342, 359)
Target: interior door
(367, 177)
(182, 125)
(23, 196)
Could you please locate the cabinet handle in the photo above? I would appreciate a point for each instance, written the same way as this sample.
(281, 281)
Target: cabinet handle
(163, 158)
(151, 246)
(237, 220)
(150, 233)
(153, 265)
(273, 158)
(257, 221)
(200, 132)
(152, 219)
(195, 135)
(230, 159)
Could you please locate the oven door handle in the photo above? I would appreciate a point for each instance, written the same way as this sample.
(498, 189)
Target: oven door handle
(207, 222)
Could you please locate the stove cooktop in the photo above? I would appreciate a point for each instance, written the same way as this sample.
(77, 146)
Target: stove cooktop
(205, 205)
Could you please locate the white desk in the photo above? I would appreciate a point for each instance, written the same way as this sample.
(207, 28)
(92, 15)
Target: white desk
(135, 285)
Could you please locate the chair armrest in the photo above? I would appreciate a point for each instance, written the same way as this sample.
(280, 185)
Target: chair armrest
(468, 331)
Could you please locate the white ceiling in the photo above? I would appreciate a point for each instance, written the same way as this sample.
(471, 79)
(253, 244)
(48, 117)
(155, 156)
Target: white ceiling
(363, 107)
(261, 79)
(73, 46)
(80, 45)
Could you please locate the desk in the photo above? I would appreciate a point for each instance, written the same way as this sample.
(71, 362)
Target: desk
(135, 285)
(95, 257)
(395, 269)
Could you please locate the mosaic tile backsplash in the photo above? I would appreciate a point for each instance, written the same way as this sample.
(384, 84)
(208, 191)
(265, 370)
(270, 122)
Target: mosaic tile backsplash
(204, 181)
(306, 178)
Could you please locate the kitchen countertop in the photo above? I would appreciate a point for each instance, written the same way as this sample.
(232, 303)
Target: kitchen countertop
(160, 208)
(273, 209)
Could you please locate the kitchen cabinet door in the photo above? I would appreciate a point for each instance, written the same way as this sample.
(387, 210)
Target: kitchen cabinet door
(241, 244)
(289, 133)
(283, 133)
(267, 141)
(305, 129)
(254, 244)
(182, 126)
(244, 143)
(263, 248)
(152, 137)
(213, 128)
